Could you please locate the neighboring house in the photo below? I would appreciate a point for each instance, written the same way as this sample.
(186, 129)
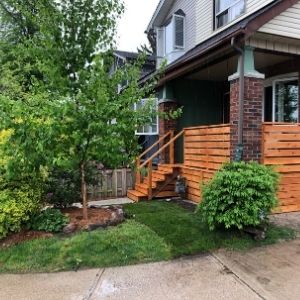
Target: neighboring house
(147, 134)
(123, 57)
(233, 65)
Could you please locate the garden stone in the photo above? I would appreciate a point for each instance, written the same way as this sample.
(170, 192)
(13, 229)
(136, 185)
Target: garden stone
(70, 228)
(258, 233)
(117, 217)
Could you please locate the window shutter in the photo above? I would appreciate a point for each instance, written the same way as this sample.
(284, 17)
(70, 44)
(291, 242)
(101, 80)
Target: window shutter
(160, 40)
(179, 31)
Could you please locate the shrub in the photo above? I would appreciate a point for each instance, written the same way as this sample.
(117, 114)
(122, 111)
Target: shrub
(63, 187)
(240, 194)
(16, 206)
(49, 220)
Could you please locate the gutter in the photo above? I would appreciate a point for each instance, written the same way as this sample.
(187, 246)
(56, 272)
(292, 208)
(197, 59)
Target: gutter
(238, 152)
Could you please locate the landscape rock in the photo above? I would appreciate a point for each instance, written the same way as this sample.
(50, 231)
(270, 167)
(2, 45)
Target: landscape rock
(70, 228)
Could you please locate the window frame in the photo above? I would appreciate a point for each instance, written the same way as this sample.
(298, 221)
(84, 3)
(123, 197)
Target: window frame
(221, 12)
(275, 81)
(137, 133)
(176, 47)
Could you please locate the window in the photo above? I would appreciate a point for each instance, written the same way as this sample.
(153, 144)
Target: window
(285, 105)
(171, 37)
(281, 101)
(152, 127)
(228, 10)
(178, 32)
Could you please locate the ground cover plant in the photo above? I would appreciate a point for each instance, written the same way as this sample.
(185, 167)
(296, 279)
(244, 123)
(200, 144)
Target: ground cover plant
(156, 231)
(48, 220)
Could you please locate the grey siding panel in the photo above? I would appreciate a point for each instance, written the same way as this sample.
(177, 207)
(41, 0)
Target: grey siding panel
(190, 24)
(205, 17)
(286, 24)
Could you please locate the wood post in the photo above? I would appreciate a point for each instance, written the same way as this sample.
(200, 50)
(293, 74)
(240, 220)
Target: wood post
(150, 180)
(138, 171)
(84, 192)
(172, 148)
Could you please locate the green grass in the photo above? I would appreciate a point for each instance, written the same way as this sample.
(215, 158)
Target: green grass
(186, 234)
(157, 231)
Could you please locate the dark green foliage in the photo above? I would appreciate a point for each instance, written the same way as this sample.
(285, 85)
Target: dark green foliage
(49, 220)
(240, 194)
(63, 188)
(63, 185)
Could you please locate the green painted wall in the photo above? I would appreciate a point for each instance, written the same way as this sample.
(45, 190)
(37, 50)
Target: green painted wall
(202, 103)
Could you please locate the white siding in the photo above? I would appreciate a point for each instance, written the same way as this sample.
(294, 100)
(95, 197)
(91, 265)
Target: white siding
(287, 24)
(200, 19)
(188, 8)
(205, 17)
(274, 45)
(204, 20)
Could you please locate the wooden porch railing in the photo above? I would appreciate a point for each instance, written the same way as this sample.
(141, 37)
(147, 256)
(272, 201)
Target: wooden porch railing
(138, 160)
(149, 162)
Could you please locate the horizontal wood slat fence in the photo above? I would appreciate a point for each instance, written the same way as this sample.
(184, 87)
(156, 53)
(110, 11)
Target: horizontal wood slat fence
(281, 149)
(206, 148)
(111, 184)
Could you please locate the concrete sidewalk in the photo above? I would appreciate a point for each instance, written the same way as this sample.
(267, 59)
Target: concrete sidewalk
(202, 277)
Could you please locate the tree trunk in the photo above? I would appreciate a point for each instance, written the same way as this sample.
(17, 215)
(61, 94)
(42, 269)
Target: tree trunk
(84, 192)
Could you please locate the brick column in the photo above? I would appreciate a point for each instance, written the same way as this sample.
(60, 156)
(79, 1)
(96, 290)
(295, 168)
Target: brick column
(166, 125)
(299, 97)
(253, 116)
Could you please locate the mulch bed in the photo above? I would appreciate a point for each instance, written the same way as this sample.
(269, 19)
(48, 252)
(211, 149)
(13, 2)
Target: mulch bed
(23, 236)
(95, 215)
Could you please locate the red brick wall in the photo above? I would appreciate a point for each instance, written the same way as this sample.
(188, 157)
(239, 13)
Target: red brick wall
(166, 125)
(253, 110)
(299, 97)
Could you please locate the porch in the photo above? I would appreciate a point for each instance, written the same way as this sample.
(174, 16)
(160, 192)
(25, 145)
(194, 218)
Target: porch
(205, 149)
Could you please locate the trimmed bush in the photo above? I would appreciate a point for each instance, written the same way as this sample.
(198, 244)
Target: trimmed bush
(49, 220)
(240, 194)
(16, 207)
(64, 186)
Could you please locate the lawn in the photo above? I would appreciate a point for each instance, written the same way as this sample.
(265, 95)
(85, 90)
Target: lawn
(156, 231)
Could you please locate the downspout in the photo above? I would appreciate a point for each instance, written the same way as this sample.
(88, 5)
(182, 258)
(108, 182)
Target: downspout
(238, 153)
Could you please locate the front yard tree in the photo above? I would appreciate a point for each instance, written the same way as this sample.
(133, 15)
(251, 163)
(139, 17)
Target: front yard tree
(72, 114)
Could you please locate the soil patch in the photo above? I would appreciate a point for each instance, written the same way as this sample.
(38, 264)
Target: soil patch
(94, 216)
(22, 236)
(101, 216)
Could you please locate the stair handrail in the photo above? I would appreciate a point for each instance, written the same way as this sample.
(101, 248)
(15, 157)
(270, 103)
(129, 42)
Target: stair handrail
(154, 145)
(149, 161)
(172, 140)
(138, 160)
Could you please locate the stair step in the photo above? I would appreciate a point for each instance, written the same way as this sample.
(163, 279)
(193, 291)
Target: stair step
(155, 180)
(143, 188)
(136, 195)
(159, 175)
(165, 168)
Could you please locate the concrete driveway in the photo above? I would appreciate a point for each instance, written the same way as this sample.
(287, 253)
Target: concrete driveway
(264, 273)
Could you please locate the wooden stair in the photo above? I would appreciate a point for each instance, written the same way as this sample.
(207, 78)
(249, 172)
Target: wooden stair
(163, 184)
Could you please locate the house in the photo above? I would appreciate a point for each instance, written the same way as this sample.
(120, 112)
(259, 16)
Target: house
(123, 57)
(147, 135)
(234, 67)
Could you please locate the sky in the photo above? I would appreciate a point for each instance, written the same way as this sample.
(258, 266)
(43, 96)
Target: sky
(134, 23)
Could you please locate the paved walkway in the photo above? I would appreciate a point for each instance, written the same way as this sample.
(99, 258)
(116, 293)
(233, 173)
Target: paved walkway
(271, 272)
(202, 277)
